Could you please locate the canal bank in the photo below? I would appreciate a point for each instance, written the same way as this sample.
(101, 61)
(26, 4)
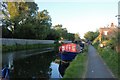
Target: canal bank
(19, 47)
(9, 45)
(77, 68)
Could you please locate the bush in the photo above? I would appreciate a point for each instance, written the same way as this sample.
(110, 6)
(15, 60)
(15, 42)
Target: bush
(111, 58)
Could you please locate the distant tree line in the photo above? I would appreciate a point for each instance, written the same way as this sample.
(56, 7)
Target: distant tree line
(23, 20)
(90, 35)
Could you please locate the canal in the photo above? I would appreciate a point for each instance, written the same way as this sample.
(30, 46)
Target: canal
(31, 64)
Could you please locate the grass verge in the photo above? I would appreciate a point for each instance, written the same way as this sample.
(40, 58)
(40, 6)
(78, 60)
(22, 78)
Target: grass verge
(111, 58)
(77, 67)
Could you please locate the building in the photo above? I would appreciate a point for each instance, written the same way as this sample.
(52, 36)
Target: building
(108, 31)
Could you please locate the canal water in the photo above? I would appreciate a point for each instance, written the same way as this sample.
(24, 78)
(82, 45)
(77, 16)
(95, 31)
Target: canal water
(32, 64)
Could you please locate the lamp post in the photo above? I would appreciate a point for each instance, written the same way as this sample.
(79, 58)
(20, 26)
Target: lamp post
(118, 20)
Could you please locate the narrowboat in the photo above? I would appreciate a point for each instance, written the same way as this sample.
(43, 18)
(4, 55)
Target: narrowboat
(68, 51)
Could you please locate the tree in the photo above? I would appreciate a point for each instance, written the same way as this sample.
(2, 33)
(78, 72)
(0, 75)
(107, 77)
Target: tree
(71, 36)
(27, 21)
(90, 35)
(77, 37)
(13, 10)
(5, 22)
(43, 24)
(61, 31)
(25, 31)
(53, 35)
(20, 13)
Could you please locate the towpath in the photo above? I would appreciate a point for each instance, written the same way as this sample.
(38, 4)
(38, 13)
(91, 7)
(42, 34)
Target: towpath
(96, 67)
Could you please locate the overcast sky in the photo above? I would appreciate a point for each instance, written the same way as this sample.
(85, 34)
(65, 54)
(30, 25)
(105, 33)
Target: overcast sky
(81, 15)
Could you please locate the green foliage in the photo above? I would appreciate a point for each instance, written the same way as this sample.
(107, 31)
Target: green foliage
(77, 67)
(109, 53)
(91, 35)
(111, 58)
(13, 10)
(6, 33)
(71, 36)
(53, 35)
(61, 31)
(43, 24)
(112, 43)
(96, 45)
(20, 10)
(25, 31)
(29, 23)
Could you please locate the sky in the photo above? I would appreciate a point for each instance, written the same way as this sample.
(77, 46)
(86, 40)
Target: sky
(81, 16)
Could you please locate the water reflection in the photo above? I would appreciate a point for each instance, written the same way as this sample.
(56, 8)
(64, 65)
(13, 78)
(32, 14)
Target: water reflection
(54, 67)
(36, 66)
(7, 59)
(62, 67)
